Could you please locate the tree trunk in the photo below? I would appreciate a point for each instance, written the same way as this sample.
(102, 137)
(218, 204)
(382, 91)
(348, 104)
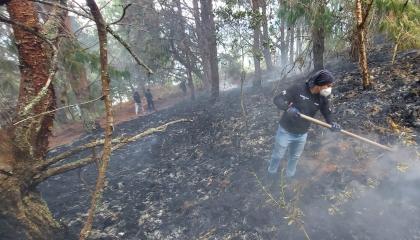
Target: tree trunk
(318, 47)
(34, 62)
(78, 80)
(362, 45)
(214, 63)
(201, 35)
(143, 15)
(318, 37)
(210, 33)
(63, 99)
(185, 43)
(298, 40)
(256, 43)
(283, 47)
(291, 44)
(191, 84)
(184, 60)
(23, 214)
(105, 80)
(80, 86)
(266, 38)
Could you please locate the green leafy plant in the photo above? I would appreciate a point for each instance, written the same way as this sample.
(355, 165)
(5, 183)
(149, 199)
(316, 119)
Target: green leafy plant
(400, 19)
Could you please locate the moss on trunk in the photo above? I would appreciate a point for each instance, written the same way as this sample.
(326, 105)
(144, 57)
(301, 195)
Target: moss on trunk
(24, 215)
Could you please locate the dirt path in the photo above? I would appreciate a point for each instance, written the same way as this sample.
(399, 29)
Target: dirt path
(123, 112)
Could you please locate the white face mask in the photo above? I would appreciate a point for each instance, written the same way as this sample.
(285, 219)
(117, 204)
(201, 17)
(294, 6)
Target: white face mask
(325, 92)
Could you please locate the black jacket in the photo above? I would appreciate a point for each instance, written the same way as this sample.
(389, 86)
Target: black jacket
(136, 97)
(149, 96)
(300, 97)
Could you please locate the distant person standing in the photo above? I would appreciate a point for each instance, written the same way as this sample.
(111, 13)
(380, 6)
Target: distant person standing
(149, 98)
(137, 102)
(183, 86)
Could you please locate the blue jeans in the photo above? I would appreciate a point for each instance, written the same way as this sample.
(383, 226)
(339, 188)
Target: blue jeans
(292, 143)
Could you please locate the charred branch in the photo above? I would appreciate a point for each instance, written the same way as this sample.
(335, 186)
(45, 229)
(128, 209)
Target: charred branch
(118, 143)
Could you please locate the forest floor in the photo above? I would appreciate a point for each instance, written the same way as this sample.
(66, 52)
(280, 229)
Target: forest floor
(206, 179)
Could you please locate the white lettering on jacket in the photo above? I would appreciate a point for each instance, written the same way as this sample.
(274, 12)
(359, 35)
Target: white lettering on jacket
(303, 97)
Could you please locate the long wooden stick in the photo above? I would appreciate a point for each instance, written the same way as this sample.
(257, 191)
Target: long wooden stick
(321, 123)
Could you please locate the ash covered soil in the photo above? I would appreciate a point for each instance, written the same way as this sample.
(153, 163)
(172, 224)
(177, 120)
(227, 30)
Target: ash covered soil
(206, 179)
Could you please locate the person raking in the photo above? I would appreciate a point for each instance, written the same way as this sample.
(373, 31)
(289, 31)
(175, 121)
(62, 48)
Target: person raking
(306, 98)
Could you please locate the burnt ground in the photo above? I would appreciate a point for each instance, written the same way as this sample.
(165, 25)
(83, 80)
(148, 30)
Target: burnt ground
(207, 179)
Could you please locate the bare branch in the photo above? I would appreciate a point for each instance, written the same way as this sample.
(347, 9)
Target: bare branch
(119, 39)
(67, 154)
(87, 25)
(106, 153)
(62, 169)
(64, 7)
(62, 156)
(366, 13)
(284, 74)
(48, 112)
(108, 29)
(80, 6)
(123, 14)
(86, 161)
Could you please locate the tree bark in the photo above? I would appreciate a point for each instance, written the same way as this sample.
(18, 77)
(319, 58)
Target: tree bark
(210, 34)
(298, 40)
(178, 56)
(266, 38)
(185, 43)
(318, 37)
(214, 63)
(362, 45)
(292, 44)
(283, 47)
(255, 24)
(78, 79)
(103, 50)
(204, 51)
(23, 213)
(191, 84)
(34, 61)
